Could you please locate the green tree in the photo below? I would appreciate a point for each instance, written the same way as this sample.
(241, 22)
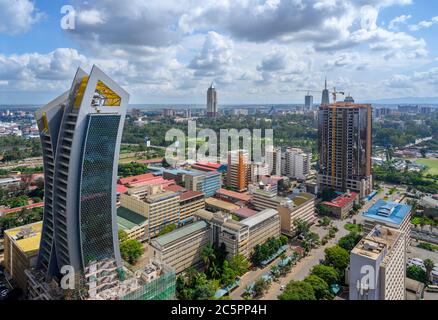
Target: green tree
(239, 264)
(417, 273)
(337, 257)
(302, 227)
(228, 274)
(123, 236)
(298, 290)
(260, 287)
(208, 256)
(131, 250)
(349, 241)
(429, 265)
(320, 287)
(327, 273)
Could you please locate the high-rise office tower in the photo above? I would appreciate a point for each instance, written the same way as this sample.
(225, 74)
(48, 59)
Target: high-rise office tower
(308, 102)
(325, 95)
(344, 146)
(80, 132)
(212, 102)
(238, 170)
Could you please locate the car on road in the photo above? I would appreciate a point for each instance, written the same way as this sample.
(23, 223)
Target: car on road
(4, 293)
(282, 288)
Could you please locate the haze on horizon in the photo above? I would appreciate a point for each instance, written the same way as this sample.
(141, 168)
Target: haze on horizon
(256, 52)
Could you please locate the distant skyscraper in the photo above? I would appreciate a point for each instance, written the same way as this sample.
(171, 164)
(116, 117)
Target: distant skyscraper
(325, 95)
(349, 99)
(344, 145)
(212, 102)
(81, 131)
(308, 102)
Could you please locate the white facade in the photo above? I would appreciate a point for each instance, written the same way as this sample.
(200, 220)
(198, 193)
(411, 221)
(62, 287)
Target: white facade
(296, 163)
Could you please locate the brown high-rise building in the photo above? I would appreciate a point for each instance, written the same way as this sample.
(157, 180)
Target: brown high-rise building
(238, 170)
(344, 146)
(212, 102)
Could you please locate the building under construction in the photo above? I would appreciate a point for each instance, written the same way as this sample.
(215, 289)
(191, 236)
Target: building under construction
(345, 145)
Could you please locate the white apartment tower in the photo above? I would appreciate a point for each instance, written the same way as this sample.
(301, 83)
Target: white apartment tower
(296, 163)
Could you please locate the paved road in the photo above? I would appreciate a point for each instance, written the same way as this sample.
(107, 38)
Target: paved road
(303, 267)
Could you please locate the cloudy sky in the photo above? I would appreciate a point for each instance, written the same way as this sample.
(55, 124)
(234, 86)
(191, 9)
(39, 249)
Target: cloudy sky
(256, 51)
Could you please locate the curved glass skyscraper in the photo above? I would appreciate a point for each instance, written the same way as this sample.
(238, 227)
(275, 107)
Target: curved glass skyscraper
(81, 133)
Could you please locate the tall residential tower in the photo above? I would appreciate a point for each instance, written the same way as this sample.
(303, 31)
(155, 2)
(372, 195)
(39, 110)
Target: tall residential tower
(344, 146)
(212, 102)
(81, 131)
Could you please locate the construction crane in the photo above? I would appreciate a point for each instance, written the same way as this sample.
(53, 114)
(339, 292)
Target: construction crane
(335, 93)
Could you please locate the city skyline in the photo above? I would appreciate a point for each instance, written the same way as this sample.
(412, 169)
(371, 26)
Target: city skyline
(373, 50)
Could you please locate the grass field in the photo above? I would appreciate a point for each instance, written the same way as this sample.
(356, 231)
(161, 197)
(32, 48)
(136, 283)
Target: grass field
(432, 165)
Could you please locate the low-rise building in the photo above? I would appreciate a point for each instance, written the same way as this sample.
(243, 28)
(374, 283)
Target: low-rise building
(233, 234)
(302, 207)
(378, 266)
(391, 214)
(189, 203)
(233, 196)
(182, 247)
(207, 182)
(21, 246)
(341, 206)
(9, 182)
(262, 226)
(215, 205)
(266, 198)
(159, 207)
(134, 224)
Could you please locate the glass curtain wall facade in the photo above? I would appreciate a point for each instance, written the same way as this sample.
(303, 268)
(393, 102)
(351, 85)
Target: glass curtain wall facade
(80, 134)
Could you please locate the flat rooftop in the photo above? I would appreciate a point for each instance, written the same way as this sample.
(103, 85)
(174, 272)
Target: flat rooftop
(180, 233)
(233, 194)
(259, 217)
(244, 213)
(27, 238)
(302, 198)
(379, 239)
(389, 212)
(221, 204)
(127, 219)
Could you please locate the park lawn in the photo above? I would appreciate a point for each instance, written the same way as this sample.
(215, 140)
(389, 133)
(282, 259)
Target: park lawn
(432, 165)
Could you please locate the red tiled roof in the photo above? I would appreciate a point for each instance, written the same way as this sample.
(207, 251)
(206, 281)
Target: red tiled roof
(121, 188)
(233, 194)
(342, 200)
(139, 178)
(173, 188)
(189, 194)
